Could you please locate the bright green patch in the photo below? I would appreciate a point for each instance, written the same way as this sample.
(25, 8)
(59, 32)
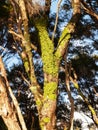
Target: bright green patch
(43, 122)
(38, 102)
(76, 85)
(47, 49)
(65, 35)
(26, 65)
(34, 91)
(63, 43)
(46, 119)
(50, 90)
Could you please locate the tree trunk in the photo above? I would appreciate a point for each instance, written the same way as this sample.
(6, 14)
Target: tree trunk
(6, 110)
(46, 102)
(9, 108)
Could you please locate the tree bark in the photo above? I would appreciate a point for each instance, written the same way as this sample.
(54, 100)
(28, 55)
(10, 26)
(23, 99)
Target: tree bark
(46, 103)
(9, 106)
(7, 112)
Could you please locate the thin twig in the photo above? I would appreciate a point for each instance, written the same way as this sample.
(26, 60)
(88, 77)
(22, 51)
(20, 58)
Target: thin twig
(24, 78)
(22, 122)
(3, 48)
(21, 37)
(17, 35)
(67, 81)
(56, 20)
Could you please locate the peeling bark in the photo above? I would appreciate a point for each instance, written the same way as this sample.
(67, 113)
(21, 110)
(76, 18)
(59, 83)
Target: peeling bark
(10, 110)
(7, 112)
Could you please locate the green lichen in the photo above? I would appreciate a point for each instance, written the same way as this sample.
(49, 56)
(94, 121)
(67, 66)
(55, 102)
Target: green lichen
(65, 35)
(47, 49)
(76, 85)
(50, 90)
(26, 65)
(35, 92)
(50, 59)
(38, 102)
(49, 65)
(43, 123)
(46, 119)
(63, 43)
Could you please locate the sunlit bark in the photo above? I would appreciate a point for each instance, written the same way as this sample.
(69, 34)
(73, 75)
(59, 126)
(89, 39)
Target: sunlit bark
(88, 9)
(46, 99)
(67, 82)
(7, 110)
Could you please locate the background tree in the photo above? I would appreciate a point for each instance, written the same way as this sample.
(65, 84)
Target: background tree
(27, 33)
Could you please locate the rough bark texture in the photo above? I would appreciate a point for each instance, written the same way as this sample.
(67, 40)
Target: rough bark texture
(46, 100)
(7, 112)
(9, 108)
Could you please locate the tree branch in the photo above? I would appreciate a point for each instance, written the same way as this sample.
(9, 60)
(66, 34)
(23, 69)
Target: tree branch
(89, 10)
(67, 82)
(3, 73)
(28, 56)
(93, 112)
(68, 30)
(47, 7)
(56, 20)
(22, 38)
